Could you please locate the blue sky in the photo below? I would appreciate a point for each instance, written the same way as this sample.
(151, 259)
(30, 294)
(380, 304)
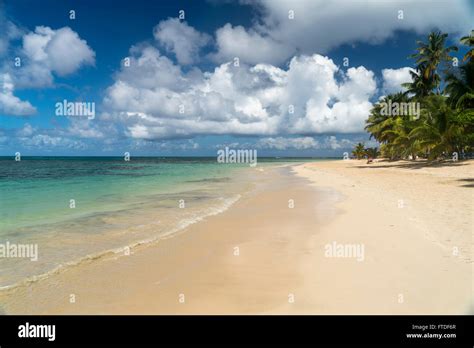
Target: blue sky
(188, 63)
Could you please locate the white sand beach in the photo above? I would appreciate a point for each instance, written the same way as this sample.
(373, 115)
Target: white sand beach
(267, 253)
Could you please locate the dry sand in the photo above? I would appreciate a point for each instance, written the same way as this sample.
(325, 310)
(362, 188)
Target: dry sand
(263, 257)
(416, 223)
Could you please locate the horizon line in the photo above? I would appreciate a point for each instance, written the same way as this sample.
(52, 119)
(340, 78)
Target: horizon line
(147, 156)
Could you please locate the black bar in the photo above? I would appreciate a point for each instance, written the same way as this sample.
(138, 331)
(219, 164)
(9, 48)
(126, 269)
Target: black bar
(287, 330)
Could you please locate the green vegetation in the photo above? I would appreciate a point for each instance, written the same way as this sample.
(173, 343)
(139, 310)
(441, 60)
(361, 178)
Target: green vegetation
(443, 88)
(360, 151)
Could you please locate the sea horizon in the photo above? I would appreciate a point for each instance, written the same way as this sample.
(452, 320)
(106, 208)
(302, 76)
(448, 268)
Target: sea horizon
(157, 156)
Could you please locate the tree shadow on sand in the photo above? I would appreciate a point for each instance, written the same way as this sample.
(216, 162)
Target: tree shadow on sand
(420, 164)
(469, 181)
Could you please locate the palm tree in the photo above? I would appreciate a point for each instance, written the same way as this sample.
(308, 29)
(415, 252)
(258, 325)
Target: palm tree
(468, 41)
(446, 122)
(431, 54)
(464, 118)
(377, 122)
(420, 86)
(387, 128)
(402, 144)
(359, 151)
(460, 87)
(372, 152)
(437, 131)
(459, 83)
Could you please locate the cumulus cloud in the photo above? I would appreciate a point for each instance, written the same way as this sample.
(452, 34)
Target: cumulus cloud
(67, 52)
(177, 145)
(44, 53)
(47, 139)
(9, 31)
(333, 143)
(86, 128)
(9, 103)
(155, 99)
(281, 143)
(26, 131)
(393, 79)
(61, 51)
(181, 39)
(249, 46)
(319, 25)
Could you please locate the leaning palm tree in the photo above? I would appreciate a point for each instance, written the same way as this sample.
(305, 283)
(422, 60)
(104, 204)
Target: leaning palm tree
(464, 118)
(468, 41)
(437, 130)
(431, 54)
(402, 144)
(420, 86)
(359, 151)
(386, 128)
(378, 122)
(372, 152)
(459, 83)
(460, 88)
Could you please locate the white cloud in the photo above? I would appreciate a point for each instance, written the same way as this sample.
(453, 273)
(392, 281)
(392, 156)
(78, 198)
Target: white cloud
(44, 52)
(393, 78)
(26, 131)
(85, 128)
(9, 103)
(322, 105)
(61, 51)
(333, 143)
(188, 145)
(155, 99)
(298, 143)
(280, 143)
(181, 39)
(32, 137)
(9, 31)
(34, 43)
(249, 46)
(67, 52)
(49, 141)
(321, 25)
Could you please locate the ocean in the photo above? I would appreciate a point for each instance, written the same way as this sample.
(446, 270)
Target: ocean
(75, 209)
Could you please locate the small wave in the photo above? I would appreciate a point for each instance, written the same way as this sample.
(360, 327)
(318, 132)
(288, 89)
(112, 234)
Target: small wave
(121, 251)
(225, 179)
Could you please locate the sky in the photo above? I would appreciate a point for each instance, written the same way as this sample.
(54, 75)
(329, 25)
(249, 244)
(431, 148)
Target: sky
(190, 77)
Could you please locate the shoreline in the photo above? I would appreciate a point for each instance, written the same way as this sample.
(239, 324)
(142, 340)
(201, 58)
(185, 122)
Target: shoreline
(120, 251)
(262, 257)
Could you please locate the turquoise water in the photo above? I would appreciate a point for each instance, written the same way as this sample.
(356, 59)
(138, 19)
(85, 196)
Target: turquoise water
(38, 190)
(117, 204)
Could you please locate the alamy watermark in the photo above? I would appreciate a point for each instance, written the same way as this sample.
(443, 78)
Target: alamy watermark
(335, 249)
(228, 155)
(13, 250)
(400, 109)
(66, 108)
(28, 330)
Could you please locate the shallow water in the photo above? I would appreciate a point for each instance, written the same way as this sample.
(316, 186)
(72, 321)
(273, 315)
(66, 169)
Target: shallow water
(117, 204)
